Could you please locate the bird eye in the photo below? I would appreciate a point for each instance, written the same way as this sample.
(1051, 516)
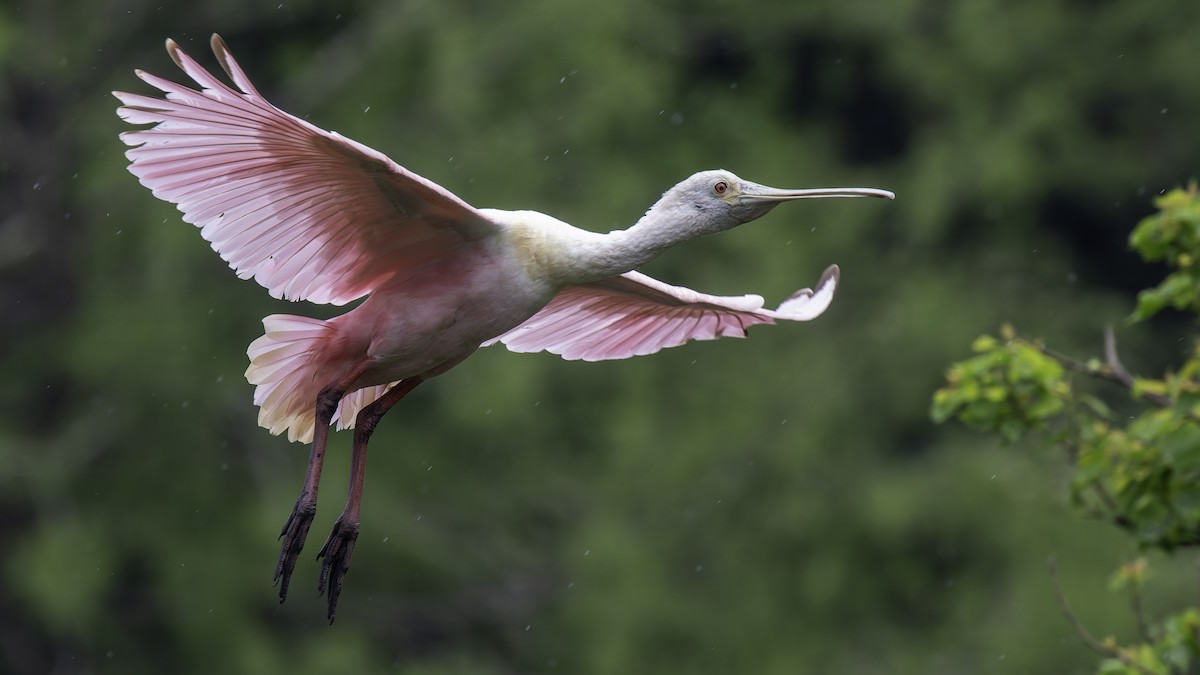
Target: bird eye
(720, 187)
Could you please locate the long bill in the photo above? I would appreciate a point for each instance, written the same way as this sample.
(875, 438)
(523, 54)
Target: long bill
(762, 193)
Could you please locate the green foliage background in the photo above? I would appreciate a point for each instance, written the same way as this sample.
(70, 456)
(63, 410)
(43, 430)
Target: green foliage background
(775, 505)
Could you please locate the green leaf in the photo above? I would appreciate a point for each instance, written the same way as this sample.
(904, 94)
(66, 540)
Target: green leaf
(1134, 572)
(1143, 386)
(1011, 430)
(1179, 290)
(1115, 667)
(1096, 405)
(984, 343)
(1182, 447)
(946, 403)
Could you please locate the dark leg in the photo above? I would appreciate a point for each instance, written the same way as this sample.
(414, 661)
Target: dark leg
(295, 530)
(339, 547)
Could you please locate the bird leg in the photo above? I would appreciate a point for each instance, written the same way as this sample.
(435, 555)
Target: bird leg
(339, 547)
(295, 530)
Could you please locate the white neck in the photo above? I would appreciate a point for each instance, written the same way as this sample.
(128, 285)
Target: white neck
(589, 256)
(555, 252)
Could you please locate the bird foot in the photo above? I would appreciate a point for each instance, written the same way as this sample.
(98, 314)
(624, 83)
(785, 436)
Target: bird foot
(335, 556)
(294, 532)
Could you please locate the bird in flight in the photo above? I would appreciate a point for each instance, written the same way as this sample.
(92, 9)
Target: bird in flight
(312, 215)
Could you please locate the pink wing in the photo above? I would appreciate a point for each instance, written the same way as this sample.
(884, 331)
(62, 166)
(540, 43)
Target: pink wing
(307, 213)
(633, 314)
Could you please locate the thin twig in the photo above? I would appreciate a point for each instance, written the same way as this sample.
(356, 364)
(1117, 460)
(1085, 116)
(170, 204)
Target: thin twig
(1135, 601)
(1078, 366)
(1113, 371)
(1120, 519)
(1081, 630)
(1112, 359)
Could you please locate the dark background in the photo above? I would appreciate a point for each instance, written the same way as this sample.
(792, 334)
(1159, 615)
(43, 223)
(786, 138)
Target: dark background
(775, 505)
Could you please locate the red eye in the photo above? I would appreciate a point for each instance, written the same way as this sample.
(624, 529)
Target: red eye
(720, 187)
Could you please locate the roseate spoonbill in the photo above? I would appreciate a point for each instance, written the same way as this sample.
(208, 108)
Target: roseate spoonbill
(312, 215)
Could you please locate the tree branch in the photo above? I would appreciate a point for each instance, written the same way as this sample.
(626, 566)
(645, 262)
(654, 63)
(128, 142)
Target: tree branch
(1081, 630)
(1111, 358)
(1135, 601)
(1114, 512)
(1113, 371)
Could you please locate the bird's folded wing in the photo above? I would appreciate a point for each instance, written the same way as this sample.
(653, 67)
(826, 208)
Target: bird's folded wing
(307, 213)
(633, 314)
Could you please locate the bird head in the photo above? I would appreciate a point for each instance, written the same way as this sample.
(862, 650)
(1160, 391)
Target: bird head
(715, 201)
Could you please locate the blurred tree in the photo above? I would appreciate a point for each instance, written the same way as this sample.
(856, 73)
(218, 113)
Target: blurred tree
(775, 505)
(1143, 474)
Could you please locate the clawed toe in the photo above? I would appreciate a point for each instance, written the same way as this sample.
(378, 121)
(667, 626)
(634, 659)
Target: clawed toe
(335, 560)
(294, 532)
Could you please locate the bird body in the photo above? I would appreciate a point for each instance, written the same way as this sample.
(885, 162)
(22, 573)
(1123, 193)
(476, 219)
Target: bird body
(312, 215)
(418, 325)
(433, 316)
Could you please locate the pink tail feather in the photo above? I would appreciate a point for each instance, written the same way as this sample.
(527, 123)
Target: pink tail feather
(285, 367)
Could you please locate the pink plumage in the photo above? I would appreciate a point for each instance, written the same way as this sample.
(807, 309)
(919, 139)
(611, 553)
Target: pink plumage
(635, 315)
(308, 214)
(311, 215)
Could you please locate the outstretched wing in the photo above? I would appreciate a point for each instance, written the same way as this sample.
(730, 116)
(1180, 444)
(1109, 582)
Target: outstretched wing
(633, 314)
(307, 213)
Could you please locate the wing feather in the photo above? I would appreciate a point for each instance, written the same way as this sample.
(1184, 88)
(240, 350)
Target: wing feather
(309, 214)
(633, 315)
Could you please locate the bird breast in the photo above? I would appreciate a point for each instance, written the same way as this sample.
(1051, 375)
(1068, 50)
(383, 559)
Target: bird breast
(442, 313)
(543, 250)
